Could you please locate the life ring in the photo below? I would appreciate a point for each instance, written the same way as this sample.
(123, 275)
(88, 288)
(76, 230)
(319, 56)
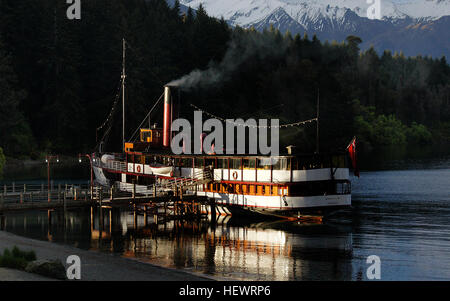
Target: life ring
(138, 168)
(235, 175)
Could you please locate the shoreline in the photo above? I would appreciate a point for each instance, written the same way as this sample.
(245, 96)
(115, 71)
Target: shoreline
(95, 266)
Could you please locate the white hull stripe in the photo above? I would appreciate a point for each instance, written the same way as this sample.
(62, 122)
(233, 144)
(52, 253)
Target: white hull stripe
(279, 202)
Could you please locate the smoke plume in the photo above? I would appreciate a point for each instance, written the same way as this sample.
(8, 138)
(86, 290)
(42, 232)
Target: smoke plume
(243, 45)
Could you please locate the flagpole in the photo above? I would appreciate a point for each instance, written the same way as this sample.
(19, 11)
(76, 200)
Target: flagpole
(354, 139)
(317, 121)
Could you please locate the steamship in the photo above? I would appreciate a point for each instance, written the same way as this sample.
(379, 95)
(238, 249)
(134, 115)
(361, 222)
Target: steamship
(285, 185)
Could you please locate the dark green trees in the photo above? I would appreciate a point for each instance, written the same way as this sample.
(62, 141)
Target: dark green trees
(59, 77)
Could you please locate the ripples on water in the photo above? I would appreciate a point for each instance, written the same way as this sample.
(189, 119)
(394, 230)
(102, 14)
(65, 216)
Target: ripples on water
(401, 216)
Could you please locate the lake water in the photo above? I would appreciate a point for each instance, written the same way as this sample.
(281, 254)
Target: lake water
(402, 216)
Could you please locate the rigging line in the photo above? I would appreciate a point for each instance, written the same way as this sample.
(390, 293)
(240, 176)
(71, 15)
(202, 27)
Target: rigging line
(256, 126)
(151, 110)
(107, 121)
(112, 109)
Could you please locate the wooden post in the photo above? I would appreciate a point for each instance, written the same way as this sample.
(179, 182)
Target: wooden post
(74, 194)
(213, 211)
(100, 216)
(101, 196)
(134, 217)
(64, 202)
(111, 198)
(110, 220)
(154, 190)
(145, 216)
(24, 187)
(2, 222)
(134, 190)
(100, 211)
(92, 219)
(165, 209)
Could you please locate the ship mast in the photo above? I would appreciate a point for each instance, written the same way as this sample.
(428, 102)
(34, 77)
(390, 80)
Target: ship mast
(317, 121)
(123, 94)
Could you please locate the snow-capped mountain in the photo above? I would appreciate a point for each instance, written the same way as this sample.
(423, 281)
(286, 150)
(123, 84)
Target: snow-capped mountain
(408, 21)
(247, 12)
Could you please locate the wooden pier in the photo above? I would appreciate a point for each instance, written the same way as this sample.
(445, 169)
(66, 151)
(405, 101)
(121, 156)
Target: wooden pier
(163, 204)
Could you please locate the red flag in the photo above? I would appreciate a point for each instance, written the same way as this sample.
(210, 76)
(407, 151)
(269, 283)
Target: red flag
(352, 152)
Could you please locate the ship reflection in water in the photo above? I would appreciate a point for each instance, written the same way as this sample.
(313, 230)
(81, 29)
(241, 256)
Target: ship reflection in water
(228, 248)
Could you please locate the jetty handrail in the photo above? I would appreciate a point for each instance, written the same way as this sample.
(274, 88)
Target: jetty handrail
(37, 193)
(196, 178)
(204, 175)
(24, 187)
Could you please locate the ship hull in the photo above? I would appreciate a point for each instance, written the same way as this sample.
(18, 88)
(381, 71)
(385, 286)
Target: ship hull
(287, 206)
(309, 189)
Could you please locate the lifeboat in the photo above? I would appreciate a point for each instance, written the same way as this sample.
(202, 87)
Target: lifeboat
(162, 170)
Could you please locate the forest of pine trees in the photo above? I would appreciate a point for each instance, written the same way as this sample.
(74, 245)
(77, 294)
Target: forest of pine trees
(59, 78)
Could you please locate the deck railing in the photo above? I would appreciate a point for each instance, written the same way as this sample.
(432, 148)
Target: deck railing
(21, 193)
(112, 165)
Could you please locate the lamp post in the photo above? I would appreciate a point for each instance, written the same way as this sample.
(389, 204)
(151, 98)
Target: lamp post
(48, 158)
(92, 175)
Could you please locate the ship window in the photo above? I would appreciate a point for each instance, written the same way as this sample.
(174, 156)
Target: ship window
(249, 163)
(199, 162)
(295, 164)
(222, 163)
(264, 163)
(259, 189)
(235, 163)
(187, 162)
(281, 164)
(146, 135)
(343, 187)
(209, 162)
(168, 161)
(274, 190)
(338, 161)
